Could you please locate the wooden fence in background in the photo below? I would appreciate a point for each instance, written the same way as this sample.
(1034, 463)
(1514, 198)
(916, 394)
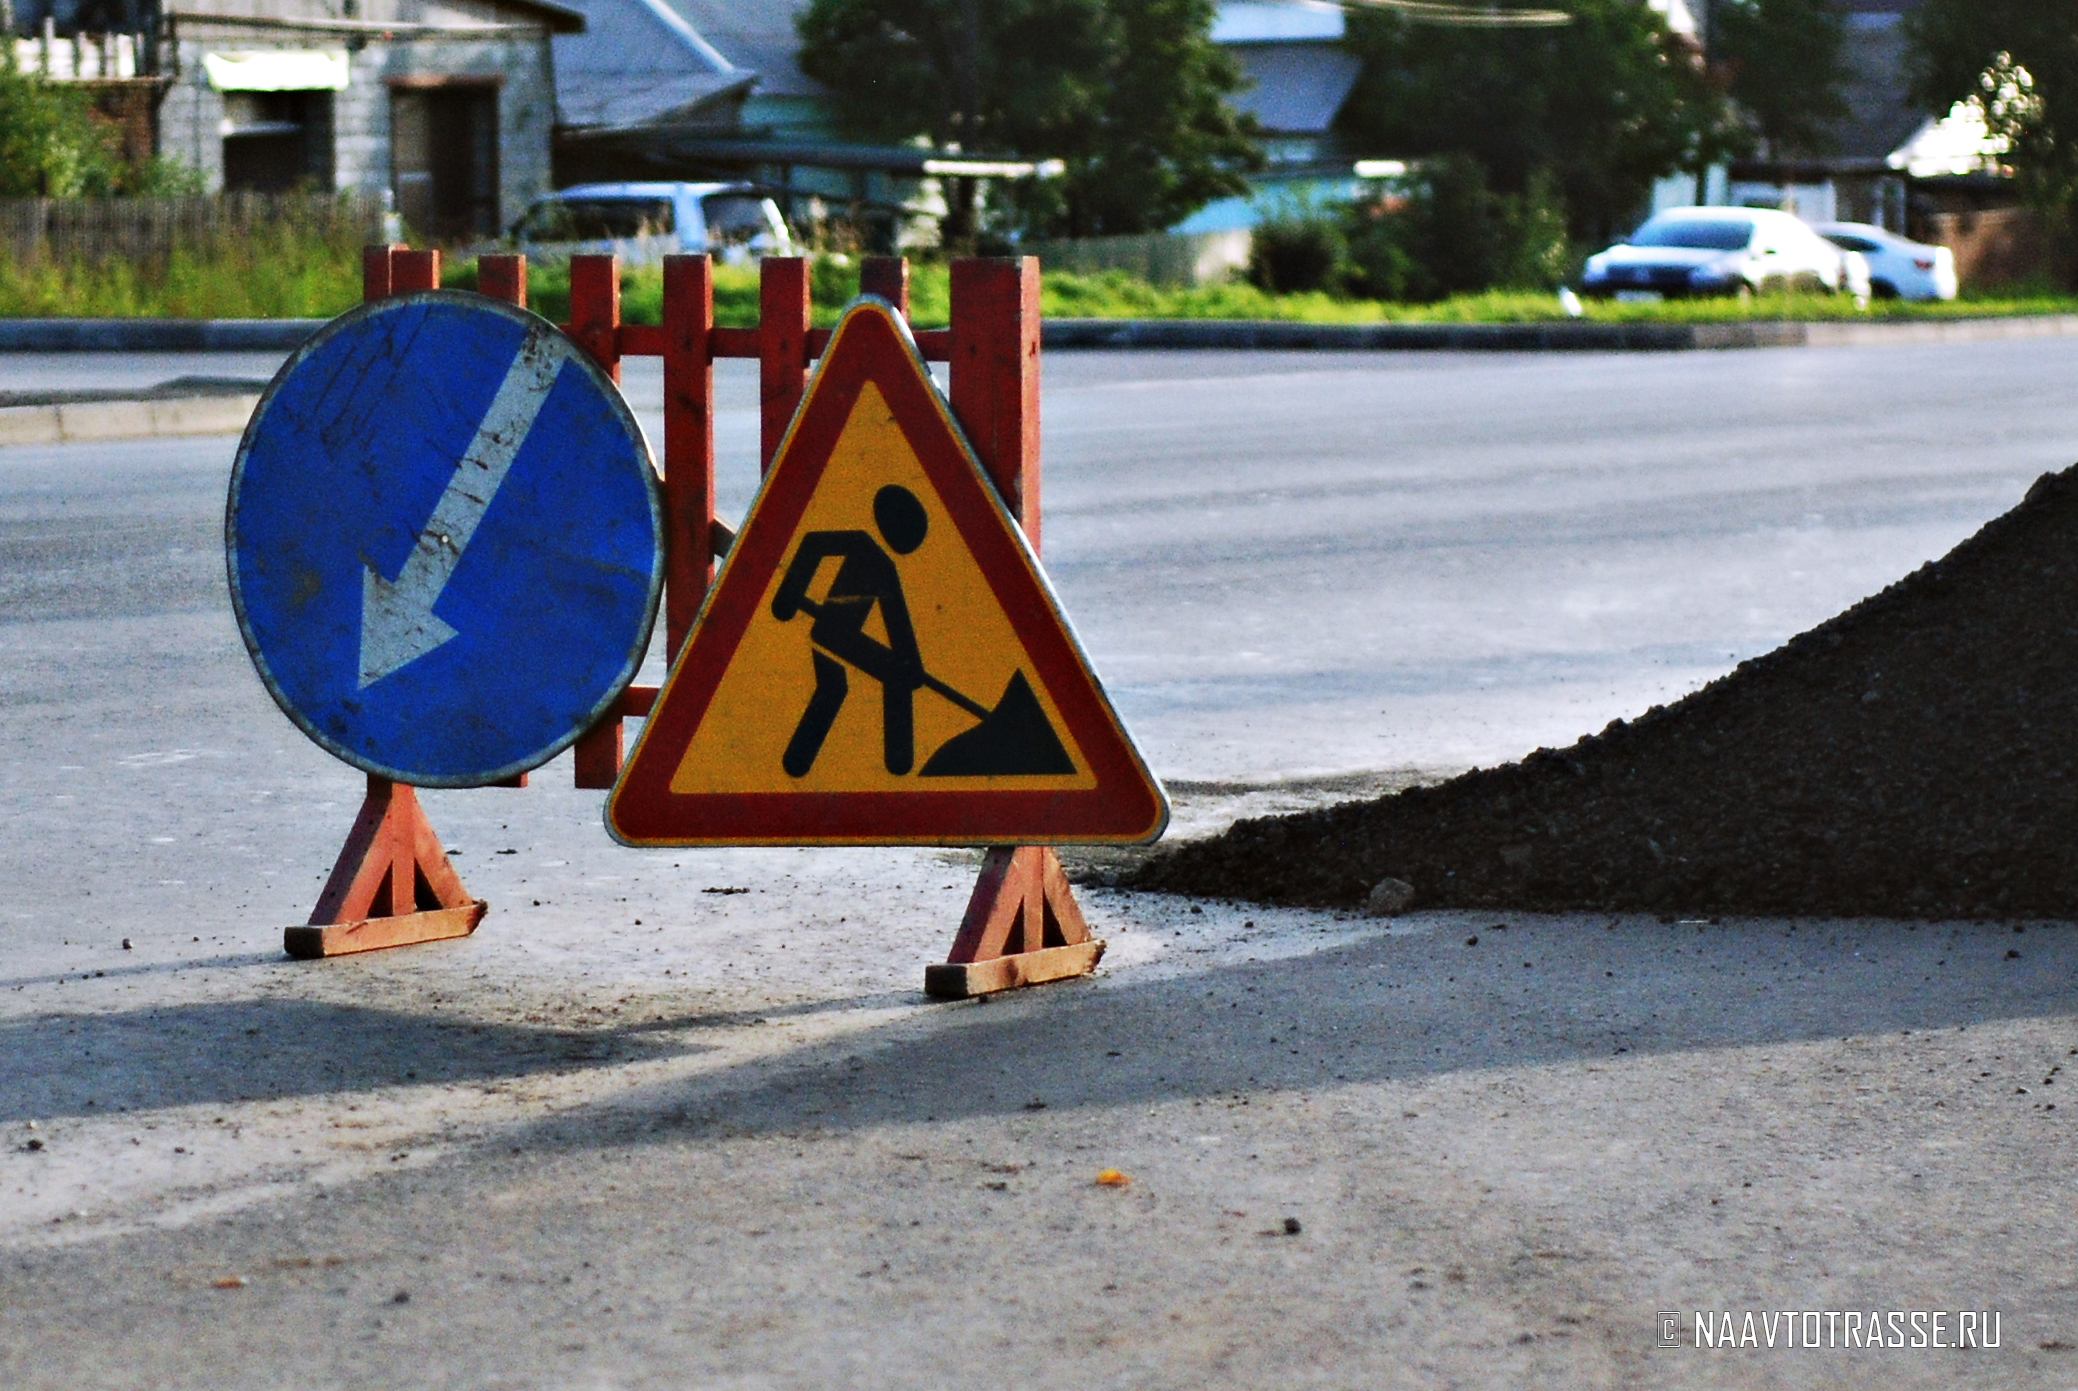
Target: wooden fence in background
(1159, 258)
(147, 229)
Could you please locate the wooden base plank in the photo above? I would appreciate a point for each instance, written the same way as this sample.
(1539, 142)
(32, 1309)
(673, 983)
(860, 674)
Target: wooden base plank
(373, 934)
(960, 980)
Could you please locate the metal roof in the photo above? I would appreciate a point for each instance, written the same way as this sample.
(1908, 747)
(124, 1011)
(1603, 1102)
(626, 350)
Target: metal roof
(1294, 88)
(756, 34)
(637, 63)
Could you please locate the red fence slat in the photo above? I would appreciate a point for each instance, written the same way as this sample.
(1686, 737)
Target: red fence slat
(688, 442)
(995, 375)
(783, 309)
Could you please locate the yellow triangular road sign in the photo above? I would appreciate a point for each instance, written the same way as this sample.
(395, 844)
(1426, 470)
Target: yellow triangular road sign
(882, 660)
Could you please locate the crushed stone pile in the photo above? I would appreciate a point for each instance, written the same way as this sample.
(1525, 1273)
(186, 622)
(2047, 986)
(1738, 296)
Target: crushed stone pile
(1917, 756)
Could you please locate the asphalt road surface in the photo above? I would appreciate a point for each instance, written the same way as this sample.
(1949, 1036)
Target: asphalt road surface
(639, 1133)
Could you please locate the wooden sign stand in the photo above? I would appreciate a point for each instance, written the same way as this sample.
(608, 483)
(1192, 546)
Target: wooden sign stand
(393, 885)
(1023, 927)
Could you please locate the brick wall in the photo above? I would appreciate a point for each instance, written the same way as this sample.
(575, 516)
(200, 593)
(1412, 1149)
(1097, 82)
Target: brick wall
(1993, 247)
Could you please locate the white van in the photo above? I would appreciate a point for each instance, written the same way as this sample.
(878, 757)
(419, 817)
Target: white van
(644, 222)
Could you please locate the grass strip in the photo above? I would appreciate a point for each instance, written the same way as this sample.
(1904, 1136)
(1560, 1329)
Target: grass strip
(273, 272)
(284, 272)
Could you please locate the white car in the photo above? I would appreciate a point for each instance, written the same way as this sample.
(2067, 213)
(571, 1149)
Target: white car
(1898, 269)
(1723, 251)
(644, 222)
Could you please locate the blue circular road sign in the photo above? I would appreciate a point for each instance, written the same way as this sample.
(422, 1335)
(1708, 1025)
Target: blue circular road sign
(445, 540)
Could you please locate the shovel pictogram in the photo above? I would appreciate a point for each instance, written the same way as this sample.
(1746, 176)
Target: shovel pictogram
(1013, 738)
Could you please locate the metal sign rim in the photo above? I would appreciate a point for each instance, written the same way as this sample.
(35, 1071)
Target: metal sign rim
(652, 490)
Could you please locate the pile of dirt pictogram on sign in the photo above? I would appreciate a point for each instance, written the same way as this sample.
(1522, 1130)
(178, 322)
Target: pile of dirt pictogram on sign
(1916, 756)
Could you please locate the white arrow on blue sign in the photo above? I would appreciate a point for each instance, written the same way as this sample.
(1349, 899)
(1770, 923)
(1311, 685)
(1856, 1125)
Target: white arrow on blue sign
(445, 540)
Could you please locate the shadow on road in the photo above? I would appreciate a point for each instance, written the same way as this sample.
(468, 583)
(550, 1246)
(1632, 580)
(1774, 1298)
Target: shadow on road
(1387, 1007)
(232, 961)
(247, 1050)
(1391, 1007)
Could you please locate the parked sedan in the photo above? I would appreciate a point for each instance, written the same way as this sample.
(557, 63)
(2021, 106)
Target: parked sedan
(1723, 251)
(1898, 269)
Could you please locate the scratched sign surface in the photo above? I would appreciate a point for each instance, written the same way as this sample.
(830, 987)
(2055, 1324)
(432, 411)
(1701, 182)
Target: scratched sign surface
(445, 540)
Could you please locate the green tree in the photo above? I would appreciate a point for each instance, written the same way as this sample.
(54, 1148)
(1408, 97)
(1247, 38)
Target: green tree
(1605, 105)
(1162, 142)
(1128, 93)
(51, 144)
(1785, 64)
(2017, 60)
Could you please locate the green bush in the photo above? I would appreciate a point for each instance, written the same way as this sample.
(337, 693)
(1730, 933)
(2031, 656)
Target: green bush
(1540, 253)
(1296, 253)
(1452, 234)
(1384, 254)
(50, 144)
(1464, 241)
(53, 144)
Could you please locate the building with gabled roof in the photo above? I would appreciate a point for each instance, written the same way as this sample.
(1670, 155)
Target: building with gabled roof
(445, 106)
(639, 62)
(1297, 70)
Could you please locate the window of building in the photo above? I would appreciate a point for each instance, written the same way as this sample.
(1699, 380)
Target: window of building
(277, 141)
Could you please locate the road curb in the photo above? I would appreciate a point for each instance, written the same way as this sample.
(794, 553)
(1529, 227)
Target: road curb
(1571, 336)
(155, 335)
(188, 407)
(1849, 335)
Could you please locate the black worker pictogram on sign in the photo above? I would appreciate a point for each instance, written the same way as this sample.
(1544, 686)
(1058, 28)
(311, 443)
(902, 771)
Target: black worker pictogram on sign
(1014, 738)
(881, 660)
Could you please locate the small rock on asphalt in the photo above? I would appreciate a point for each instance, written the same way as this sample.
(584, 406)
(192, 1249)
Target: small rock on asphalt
(1389, 898)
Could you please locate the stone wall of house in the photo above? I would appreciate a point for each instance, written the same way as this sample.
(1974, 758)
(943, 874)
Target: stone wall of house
(191, 120)
(192, 116)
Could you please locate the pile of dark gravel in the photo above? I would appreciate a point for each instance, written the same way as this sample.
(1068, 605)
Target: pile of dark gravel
(1916, 756)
